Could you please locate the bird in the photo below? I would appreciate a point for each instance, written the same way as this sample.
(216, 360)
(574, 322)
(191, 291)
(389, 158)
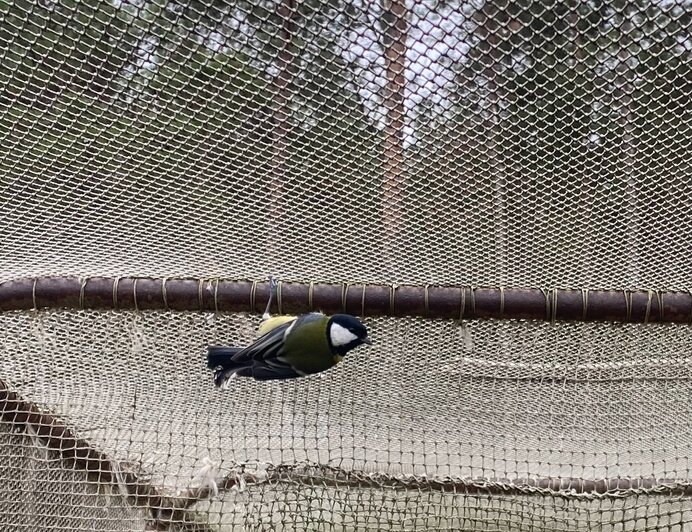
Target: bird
(288, 347)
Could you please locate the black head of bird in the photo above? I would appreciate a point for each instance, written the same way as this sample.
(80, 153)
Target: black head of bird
(346, 332)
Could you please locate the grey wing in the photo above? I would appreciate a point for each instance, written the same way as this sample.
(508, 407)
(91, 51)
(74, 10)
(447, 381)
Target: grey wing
(266, 348)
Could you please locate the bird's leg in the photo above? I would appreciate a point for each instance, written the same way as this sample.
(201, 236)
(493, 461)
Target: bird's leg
(227, 383)
(272, 292)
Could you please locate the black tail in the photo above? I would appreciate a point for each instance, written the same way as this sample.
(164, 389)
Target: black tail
(220, 359)
(221, 356)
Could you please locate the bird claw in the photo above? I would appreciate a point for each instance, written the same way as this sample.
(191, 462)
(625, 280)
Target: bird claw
(227, 383)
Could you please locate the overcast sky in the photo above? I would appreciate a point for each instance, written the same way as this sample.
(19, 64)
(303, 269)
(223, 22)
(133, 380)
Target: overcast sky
(438, 37)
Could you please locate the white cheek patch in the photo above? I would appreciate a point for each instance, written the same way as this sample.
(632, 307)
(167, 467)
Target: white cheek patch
(341, 335)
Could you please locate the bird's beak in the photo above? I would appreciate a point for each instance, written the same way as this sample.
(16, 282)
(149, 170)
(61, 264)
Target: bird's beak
(367, 340)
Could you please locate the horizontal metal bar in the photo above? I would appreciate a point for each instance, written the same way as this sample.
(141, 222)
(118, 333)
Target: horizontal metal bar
(359, 299)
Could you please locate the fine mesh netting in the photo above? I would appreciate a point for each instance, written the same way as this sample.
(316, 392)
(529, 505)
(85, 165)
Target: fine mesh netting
(527, 399)
(530, 144)
(499, 143)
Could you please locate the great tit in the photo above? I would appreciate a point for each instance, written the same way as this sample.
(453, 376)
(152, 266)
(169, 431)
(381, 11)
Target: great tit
(289, 347)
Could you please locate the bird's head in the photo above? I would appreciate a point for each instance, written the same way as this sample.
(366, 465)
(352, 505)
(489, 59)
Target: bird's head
(346, 332)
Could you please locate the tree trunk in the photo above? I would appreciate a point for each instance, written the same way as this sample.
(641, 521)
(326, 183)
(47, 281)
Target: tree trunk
(627, 165)
(623, 88)
(490, 21)
(281, 126)
(395, 26)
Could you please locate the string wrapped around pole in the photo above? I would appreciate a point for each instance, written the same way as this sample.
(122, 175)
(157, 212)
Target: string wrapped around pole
(448, 302)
